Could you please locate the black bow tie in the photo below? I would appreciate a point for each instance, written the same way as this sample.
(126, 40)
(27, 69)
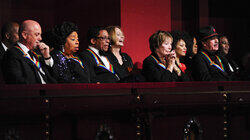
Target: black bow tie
(102, 53)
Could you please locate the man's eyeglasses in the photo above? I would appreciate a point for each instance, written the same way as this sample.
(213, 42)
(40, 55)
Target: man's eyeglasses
(103, 38)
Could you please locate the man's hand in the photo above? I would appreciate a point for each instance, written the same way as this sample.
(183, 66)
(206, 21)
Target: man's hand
(44, 49)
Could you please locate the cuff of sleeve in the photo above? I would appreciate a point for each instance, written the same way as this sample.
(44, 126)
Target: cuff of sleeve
(49, 62)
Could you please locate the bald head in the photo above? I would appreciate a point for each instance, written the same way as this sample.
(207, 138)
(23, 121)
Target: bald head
(30, 33)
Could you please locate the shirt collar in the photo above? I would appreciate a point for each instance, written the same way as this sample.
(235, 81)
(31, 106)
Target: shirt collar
(4, 47)
(95, 50)
(23, 47)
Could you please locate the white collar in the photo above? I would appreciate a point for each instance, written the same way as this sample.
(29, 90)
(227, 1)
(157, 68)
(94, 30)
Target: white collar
(4, 47)
(23, 47)
(95, 50)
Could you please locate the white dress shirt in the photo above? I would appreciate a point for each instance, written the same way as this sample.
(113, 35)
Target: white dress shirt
(4, 47)
(103, 58)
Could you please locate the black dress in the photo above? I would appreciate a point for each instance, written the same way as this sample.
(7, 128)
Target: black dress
(124, 70)
(184, 75)
(69, 70)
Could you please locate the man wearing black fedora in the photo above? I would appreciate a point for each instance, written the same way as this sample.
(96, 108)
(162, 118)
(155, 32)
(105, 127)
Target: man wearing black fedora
(206, 65)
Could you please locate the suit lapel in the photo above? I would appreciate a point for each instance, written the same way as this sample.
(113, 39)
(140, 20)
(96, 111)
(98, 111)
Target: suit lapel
(2, 51)
(215, 68)
(27, 60)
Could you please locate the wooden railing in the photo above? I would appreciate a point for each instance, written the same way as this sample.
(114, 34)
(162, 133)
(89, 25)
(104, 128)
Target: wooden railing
(151, 111)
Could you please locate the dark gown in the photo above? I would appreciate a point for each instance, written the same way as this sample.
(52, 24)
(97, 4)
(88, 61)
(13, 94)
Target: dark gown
(203, 70)
(68, 70)
(124, 71)
(153, 72)
(184, 75)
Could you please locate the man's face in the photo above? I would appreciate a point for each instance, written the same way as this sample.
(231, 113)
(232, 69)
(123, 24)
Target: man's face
(211, 44)
(224, 44)
(33, 36)
(14, 34)
(102, 41)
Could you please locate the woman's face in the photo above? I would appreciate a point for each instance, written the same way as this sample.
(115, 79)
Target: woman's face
(72, 43)
(180, 49)
(224, 44)
(195, 46)
(165, 48)
(119, 37)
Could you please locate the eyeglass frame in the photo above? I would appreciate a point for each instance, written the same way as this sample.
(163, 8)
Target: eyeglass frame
(103, 38)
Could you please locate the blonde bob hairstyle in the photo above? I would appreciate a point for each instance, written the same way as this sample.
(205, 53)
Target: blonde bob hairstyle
(112, 34)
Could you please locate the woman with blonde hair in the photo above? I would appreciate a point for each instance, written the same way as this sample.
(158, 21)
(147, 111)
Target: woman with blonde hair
(121, 61)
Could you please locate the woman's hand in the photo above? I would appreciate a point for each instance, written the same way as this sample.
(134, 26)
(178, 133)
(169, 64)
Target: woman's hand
(171, 60)
(177, 70)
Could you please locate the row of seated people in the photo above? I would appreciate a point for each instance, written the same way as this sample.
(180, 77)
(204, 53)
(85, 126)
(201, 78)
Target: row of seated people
(54, 58)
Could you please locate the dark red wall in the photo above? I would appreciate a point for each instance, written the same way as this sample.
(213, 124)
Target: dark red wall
(139, 20)
(50, 12)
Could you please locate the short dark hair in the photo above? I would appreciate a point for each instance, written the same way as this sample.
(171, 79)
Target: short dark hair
(7, 28)
(157, 39)
(56, 37)
(190, 43)
(93, 32)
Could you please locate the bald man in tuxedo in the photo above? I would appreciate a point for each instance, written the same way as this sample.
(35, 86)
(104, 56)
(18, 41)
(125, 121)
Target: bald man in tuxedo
(22, 65)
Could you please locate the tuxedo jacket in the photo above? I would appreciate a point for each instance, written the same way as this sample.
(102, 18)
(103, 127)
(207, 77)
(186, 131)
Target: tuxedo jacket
(203, 70)
(2, 51)
(20, 70)
(153, 72)
(98, 73)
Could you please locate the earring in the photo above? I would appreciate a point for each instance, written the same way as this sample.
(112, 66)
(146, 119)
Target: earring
(62, 48)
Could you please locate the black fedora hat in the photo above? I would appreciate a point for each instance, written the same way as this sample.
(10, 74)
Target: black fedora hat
(207, 32)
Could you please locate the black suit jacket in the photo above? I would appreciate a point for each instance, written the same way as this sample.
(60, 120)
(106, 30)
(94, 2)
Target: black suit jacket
(155, 73)
(2, 51)
(20, 70)
(98, 74)
(203, 71)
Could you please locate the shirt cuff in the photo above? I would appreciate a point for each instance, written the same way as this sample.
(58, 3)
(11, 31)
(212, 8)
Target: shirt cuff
(49, 62)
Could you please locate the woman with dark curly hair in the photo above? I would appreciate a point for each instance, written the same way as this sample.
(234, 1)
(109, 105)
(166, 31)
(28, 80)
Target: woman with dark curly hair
(192, 49)
(179, 45)
(67, 68)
